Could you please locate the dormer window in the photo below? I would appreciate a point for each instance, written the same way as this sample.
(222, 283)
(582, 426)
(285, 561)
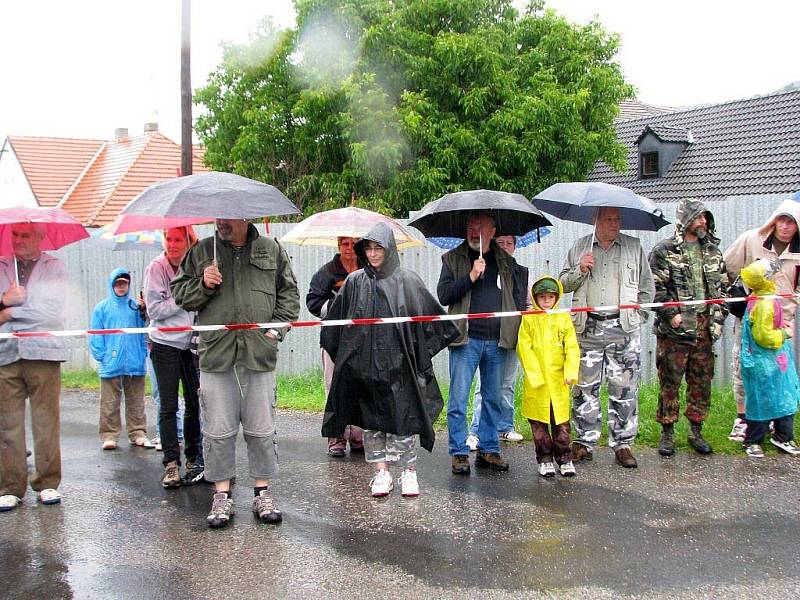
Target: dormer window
(648, 165)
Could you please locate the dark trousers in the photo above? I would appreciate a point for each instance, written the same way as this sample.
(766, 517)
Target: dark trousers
(756, 430)
(173, 366)
(548, 445)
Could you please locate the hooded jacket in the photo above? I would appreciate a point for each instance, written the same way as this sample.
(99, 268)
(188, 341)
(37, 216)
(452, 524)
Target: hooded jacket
(757, 243)
(321, 290)
(766, 358)
(548, 352)
(383, 379)
(672, 276)
(118, 355)
(161, 306)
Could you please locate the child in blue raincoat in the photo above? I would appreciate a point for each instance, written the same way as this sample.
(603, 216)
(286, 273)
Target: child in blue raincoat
(120, 363)
(770, 380)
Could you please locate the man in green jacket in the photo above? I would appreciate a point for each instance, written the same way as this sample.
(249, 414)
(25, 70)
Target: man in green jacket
(250, 282)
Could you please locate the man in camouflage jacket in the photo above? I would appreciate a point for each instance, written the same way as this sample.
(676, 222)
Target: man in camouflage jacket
(687, 266)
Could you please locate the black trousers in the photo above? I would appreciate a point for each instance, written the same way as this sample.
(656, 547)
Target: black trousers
(173, 366)
(756, 430)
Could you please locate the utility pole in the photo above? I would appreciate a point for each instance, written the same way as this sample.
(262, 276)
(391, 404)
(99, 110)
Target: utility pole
(186, 88)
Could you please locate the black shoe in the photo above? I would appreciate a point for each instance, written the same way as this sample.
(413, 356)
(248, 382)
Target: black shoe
(356, 449)
(666, 446)
(491, 460)
(696, 440)
(195, 473)
(460, 464)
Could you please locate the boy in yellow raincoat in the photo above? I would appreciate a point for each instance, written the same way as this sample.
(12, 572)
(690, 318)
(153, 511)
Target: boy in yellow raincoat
(550, 357)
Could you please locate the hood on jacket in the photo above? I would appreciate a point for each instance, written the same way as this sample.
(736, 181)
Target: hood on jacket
(688, 210)
(559, 288)
(758, 276)
(380, 234)
(112, 278)
(790, 208)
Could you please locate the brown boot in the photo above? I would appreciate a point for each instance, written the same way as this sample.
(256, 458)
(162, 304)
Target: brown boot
(460, 464)
(491, 460)
(580, 452)
(625, 458)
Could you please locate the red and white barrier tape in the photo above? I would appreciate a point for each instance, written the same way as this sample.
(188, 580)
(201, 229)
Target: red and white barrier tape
(376, 321)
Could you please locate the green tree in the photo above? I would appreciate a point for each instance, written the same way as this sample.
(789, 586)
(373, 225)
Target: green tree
(392, 103)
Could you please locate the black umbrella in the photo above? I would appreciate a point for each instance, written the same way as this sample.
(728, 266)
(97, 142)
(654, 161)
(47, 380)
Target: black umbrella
(513, 214)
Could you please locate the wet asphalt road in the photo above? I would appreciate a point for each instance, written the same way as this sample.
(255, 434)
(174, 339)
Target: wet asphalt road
(685, 527)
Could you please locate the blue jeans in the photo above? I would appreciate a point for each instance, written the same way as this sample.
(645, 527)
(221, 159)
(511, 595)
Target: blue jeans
(487, 356)
(508, 388)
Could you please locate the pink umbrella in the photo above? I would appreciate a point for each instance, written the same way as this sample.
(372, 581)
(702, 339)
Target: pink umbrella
(59, 227)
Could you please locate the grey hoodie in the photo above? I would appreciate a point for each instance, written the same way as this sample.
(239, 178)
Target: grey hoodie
(161, 307)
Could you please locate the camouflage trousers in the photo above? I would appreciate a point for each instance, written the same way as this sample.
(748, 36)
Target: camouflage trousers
(676, 360)
(607, 352)
(388, 447)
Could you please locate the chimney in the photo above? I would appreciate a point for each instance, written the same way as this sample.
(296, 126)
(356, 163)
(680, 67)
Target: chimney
(121, 133)
(150, 127)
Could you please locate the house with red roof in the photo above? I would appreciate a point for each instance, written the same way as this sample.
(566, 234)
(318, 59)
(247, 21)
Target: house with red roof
(91, 179)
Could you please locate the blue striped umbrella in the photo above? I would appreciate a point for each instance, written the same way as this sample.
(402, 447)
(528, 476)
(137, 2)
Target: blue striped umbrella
(137, 240)
(532, 237)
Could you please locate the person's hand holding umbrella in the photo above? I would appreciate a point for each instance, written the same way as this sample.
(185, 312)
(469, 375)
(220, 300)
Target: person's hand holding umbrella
(211, 276)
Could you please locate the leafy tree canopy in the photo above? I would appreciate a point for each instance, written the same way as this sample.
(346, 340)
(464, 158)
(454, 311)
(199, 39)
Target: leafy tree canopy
(389, 104)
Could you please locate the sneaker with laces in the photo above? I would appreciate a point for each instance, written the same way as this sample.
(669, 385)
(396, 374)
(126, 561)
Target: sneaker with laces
(547, 469)
(789, 447)
(510, 436)
(195, 473)
(157, 444)
(171, 478)
(739, 430)
(753, 451)
(9, 502)
(49, 496)
(221, 511)
(409, 486)
(265, 509)
(143, 442)
(472, 442)
(567, 469)
(381, 484)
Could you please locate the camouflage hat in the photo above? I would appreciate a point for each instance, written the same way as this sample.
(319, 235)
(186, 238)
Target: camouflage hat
(545, 285)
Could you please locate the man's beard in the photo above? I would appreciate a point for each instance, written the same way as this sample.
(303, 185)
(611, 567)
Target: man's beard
(700, 232)
(475, 244)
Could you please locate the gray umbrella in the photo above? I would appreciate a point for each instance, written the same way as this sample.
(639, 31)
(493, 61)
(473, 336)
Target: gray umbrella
(447, 217)
(579, 202)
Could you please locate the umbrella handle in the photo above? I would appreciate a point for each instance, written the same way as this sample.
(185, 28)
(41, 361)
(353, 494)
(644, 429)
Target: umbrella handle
(16, 270)
(480, 251)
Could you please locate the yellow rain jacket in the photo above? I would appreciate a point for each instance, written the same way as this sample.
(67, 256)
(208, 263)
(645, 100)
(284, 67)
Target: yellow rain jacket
(548, 350)
(766, 332)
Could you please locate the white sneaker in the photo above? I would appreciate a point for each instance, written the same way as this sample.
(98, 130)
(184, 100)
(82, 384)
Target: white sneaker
(143, 442)
(9, 502)
(49, 496)
(157, 444)
(754, 451)
(789, 447)
(567, 469)
(109, 445)
(511, 436)
(739, 430)
(409, 486)
(472, 442)
(381, 484)
(547, 469)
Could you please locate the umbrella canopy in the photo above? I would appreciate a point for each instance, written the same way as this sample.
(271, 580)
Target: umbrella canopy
(532, 237)
(138, 240)
(58, 226)
(578, 202)
(324, 228)
(447, 216)
(200, 198)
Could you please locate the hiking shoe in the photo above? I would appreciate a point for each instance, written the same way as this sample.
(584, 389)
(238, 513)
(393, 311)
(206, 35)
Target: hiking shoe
(666, 445)
(472, 442)
(491, 460)
(753, 451)
(696, 440)
(625, 458)
(511, 436)
(381, 484)
(739, 430)
(264, 508)
(195, 473)
(171, 478)
(459, 464)
(109, 445)
(157, 444)
(789, 447)
(580, 452)
(221, 511)
(9, 502)
(547, 469)
(49, 496)
(409, 486)
(567, 469)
